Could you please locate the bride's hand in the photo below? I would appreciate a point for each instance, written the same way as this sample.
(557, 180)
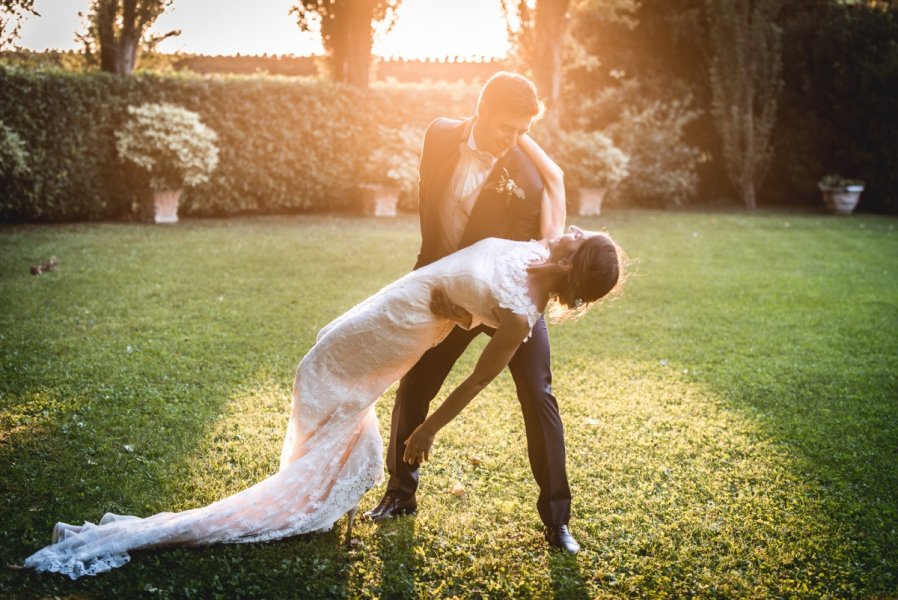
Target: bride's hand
(417, 446)
(442, 306)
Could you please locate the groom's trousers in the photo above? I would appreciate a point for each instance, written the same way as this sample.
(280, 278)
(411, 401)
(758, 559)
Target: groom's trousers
(530, 369)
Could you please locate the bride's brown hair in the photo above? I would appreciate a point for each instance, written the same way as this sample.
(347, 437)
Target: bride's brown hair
(596, 270)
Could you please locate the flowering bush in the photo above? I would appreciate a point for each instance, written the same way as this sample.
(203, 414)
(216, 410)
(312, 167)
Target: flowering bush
(590, 159)
(170, 143)
(394, 157)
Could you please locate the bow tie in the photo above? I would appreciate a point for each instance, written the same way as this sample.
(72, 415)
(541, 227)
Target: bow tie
(484, 158)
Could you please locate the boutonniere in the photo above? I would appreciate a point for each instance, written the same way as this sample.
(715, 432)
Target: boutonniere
(508, 188)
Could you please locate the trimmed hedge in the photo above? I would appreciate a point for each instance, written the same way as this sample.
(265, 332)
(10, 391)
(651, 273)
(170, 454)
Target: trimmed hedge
(286, 144)
(839, 109)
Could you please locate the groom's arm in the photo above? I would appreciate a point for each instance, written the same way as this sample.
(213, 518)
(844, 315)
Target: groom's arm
(432, 153)
(526, 213)
(437, 139)
(553, 209)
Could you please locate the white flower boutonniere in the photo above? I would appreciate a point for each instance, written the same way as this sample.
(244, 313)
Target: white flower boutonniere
(508, 188)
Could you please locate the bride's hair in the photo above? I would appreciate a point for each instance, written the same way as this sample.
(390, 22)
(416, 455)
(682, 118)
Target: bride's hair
(597, 269)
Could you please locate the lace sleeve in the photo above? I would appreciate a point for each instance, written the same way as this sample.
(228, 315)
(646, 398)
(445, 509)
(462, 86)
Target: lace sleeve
(511, 279)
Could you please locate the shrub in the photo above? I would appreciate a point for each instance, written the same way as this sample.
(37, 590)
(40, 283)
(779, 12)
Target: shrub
(394, 158)
(15, 172)
(590, 159)
(170, 143)
(662, 165)
(285, 144)
(837, 183)
(13, 154)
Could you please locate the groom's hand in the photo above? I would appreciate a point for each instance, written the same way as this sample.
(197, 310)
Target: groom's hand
(442, 306)
(417, 446)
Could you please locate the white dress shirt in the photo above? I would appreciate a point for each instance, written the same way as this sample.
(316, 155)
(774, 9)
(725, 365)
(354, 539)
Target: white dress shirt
(467, 181)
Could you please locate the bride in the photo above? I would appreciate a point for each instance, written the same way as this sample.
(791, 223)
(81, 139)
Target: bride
(332, 453)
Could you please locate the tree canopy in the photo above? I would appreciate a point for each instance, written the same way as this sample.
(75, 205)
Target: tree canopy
(11, 14)
(347, 32)
(116, 29)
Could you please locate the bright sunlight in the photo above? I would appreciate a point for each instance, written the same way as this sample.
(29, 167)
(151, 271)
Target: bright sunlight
(424, 29)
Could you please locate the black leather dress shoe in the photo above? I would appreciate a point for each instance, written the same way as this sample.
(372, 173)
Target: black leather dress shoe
(560, 537)
(391, 506)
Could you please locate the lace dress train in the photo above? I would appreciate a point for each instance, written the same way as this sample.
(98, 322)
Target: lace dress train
(332, 453)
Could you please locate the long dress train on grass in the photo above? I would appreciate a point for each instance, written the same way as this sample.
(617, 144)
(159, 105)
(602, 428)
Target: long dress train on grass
(332, 453)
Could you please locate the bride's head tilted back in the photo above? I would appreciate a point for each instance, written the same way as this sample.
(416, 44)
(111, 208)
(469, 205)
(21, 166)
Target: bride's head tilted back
(596, 269)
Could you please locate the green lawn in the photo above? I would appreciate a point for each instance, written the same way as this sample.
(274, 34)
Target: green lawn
(731, 419)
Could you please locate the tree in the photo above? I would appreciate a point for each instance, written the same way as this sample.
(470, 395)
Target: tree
(745, 73)
(540, 37)
(347, 32)
(116, 29)
(11, 14)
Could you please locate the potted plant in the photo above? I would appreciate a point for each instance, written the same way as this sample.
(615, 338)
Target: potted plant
(839, 194)
(390, 169)
(592, 165)
(173, 146)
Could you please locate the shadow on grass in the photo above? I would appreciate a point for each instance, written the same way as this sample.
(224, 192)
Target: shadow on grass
(692, 480)
(51, 472)
(59, 463)
(396, 544)
(566, 579)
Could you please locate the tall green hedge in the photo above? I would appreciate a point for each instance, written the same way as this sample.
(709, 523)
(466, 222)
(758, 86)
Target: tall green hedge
(286, 144)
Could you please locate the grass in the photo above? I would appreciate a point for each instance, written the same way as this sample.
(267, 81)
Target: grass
(730, 419)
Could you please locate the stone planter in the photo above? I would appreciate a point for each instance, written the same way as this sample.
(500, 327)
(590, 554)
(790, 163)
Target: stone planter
(380, 200)
(165, 205)
(842, 201)
(589, 201)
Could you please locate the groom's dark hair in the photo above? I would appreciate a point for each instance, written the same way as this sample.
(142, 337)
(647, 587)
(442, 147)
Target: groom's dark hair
(511, 92)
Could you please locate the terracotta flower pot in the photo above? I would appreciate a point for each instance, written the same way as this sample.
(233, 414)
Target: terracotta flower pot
(165, 205)
(380, 200)
(589, 201)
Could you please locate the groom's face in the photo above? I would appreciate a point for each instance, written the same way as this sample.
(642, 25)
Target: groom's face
(497, 131)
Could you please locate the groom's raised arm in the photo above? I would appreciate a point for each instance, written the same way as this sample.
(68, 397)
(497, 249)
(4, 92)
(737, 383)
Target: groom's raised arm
(526, 215)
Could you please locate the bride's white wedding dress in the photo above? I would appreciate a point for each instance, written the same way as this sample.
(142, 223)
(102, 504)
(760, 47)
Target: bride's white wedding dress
(332, 453)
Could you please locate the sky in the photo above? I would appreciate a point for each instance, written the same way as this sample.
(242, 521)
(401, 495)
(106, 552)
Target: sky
(425, 28)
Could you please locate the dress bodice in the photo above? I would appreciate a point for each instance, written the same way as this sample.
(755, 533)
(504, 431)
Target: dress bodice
(489, 275)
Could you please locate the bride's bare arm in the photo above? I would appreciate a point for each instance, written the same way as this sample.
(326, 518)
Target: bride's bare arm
(512, 330)
(553, 210)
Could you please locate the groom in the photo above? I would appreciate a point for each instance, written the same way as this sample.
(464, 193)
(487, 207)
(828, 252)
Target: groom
(463, 167)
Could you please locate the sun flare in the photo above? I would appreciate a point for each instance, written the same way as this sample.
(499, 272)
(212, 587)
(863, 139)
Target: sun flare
(427, 29)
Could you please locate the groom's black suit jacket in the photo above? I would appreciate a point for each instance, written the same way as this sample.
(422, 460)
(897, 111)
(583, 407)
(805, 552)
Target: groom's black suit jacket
(494, 214)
